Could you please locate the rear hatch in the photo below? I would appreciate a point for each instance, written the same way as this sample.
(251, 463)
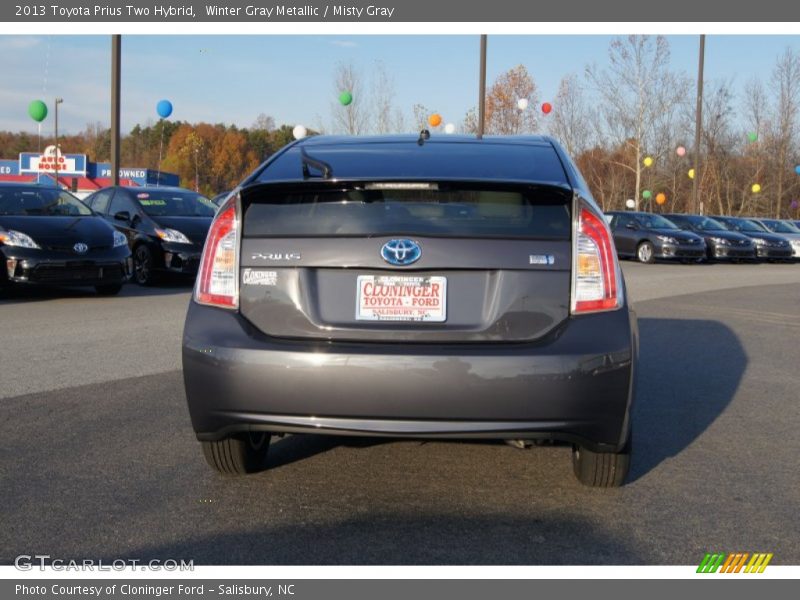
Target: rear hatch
(406, 261)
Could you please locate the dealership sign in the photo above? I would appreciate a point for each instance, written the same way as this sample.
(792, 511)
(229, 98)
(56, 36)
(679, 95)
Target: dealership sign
(52, 160)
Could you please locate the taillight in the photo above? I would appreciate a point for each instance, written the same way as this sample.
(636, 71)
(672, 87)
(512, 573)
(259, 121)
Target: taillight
(217, 277)
(595, 275)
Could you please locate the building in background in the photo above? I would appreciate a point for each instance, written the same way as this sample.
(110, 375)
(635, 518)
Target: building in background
(75, 172)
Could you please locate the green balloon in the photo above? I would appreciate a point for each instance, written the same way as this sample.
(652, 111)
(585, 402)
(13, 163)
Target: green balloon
(345, 98)
(37, 110)
(752, 136)
(646, 194)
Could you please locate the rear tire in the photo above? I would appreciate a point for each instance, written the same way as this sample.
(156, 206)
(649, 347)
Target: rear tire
(645, 253)
(108, 290)
(239, 454)
(602, 469)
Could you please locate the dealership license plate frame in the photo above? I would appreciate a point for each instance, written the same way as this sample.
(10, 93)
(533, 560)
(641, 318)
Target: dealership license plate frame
(411, 314)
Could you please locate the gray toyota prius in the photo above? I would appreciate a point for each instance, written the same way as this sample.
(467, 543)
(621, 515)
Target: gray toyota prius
(416, 287)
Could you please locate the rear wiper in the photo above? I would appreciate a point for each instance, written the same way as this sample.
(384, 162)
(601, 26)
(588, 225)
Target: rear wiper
(320, 165)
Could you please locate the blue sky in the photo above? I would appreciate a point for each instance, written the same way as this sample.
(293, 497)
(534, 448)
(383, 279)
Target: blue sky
(231, 79)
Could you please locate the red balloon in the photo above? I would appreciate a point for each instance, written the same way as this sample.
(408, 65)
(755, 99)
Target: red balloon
(546, 108)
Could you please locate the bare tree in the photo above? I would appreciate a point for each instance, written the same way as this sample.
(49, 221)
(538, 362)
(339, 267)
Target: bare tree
(264, 122)
(399, 120)
(571, 122)
(786, 85)
(470, 123)
(352, 119)
(636, 89)
(420, 114)
(755, 103)
(382, 98)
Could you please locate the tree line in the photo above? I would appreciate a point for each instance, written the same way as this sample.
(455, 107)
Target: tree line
(610, 117)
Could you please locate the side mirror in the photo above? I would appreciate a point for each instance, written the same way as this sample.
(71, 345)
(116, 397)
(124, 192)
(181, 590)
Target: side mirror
(123, 215)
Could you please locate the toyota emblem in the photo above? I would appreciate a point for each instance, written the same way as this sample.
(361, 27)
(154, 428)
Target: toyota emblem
(401, 252)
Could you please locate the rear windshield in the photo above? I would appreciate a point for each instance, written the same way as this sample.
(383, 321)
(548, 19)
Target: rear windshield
(430, 212)
(435, 160)
(41, 202)
(170, 203)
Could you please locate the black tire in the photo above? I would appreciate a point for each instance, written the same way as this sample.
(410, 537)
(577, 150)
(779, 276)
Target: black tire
(108, 290)
(602, 469)
(143, 272)
(645, 252)
(238, 454)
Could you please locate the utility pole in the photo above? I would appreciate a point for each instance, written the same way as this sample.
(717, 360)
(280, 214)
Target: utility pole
(116, 47)
(698, 126)
(482, 89)
(58, 153)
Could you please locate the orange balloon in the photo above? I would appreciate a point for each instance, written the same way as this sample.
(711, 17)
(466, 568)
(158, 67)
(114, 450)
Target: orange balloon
(435, 120)
(661, 198)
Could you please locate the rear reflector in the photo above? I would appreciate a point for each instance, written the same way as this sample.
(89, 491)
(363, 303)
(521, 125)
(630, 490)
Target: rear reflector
(596, 271)
(217, 278)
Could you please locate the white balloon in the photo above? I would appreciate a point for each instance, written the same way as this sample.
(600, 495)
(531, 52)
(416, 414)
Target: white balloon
(630, 203)
(449, 128)
(299, 132)
(522, 103)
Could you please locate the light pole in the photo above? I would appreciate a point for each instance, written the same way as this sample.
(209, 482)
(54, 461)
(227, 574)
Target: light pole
(56, 103)
(116, 48)
(482, 88)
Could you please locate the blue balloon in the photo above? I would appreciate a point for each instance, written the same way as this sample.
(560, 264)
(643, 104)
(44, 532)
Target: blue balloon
(797, 169)
(164, 108)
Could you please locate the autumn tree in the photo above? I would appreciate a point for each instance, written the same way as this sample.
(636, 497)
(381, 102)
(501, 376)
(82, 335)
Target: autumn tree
(503, 116)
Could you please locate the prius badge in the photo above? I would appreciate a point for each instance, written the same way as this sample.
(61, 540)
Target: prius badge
(401, 252)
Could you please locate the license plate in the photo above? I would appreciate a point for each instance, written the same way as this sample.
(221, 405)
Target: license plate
(401, 298)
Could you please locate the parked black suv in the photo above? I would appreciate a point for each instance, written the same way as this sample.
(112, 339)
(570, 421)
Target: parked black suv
(647, 236)
(427, 288)
(165, 226)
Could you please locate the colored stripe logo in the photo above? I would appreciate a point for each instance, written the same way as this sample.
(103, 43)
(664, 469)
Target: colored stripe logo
(736, 562)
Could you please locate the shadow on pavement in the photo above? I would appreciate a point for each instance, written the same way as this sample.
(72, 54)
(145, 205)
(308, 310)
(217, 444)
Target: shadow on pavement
(408, 539)
(689, 371)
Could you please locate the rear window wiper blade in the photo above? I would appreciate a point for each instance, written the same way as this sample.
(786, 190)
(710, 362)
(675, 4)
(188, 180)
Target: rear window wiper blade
(320, 165)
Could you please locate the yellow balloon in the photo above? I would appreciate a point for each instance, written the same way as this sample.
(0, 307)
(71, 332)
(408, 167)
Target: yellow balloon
(648, 161)
(756, 188)
(691, 173)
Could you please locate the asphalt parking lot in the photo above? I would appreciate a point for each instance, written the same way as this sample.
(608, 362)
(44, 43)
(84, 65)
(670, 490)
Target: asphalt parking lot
(99, 459)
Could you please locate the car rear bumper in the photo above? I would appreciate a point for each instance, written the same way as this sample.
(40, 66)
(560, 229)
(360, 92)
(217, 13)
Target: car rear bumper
(576, 385)
(35, 267)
